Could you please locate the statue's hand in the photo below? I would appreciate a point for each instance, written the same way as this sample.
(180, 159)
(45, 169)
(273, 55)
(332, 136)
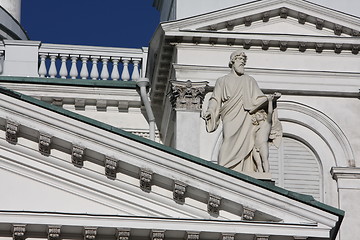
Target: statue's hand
(206, 116)
(277, 95)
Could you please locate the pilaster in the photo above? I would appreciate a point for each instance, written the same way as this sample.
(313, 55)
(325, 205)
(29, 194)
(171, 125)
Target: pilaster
(348, 182)
(186, 99)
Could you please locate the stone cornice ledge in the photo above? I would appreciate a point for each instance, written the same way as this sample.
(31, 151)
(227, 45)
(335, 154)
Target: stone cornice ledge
(345, 173)
(109, 222)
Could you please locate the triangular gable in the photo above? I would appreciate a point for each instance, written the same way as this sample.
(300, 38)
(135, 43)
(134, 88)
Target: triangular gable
(261, 12)
(124, 174)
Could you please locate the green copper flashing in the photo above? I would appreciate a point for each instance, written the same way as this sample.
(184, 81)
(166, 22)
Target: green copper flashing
(70, 82)
(293, 195)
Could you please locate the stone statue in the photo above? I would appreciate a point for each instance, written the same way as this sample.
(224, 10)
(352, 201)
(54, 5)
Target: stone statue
(237, 100)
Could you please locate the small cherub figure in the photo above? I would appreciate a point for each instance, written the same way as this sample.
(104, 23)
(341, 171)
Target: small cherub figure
(264, 124)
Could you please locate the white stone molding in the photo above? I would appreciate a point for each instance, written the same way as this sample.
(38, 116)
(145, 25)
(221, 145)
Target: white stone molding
(179, 192)
(90, 233)
(12, 129)
(77, 156)
(248, 213)
(111, 165)
(18, 232)
(187, 95)
(322, 125)
(213, 206)
(213, 228)
(145, 180)
(123, 234)
(192, 235)
(157, 235)
(45, 144)
(54, 232)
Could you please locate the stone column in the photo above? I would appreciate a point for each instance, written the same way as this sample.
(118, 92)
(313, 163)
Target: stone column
(186, 99)
(348, 181)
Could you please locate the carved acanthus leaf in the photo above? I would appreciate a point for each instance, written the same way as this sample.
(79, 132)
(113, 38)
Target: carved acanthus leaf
(187, 95)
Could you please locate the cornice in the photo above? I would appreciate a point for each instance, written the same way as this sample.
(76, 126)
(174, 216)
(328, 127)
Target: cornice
(76, 224)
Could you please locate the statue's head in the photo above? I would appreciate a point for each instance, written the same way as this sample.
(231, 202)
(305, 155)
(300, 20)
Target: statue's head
(259, 116)
(237, 53)
(238, 61)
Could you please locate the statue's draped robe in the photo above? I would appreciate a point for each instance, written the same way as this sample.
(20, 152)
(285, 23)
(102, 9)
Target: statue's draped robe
(233, 97)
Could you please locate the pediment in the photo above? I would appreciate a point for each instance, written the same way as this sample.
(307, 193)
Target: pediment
(268, 16)
(64, 162)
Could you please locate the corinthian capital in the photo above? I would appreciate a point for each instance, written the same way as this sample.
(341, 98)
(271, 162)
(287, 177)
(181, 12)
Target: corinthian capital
(187, 95)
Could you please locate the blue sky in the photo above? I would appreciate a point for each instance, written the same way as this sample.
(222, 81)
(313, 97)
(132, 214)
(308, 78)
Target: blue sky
(113, 23)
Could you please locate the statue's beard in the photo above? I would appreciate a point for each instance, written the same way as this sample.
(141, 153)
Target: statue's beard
(239, 70)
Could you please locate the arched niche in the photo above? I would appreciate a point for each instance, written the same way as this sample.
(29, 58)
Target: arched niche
(319, 137)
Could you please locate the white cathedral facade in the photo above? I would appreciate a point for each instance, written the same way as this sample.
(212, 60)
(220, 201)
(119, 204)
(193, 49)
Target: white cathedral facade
(109, 143)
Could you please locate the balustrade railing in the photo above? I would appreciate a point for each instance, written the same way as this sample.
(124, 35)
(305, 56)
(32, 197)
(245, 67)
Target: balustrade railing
(87, 62)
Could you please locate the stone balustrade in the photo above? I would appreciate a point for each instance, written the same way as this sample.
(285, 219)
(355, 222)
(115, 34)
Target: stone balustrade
(70, 61)
(36, 59)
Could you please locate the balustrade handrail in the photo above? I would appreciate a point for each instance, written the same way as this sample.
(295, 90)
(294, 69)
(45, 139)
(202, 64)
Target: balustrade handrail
(92, 50)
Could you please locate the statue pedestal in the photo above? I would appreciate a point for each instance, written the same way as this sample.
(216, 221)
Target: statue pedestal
(259, 175)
